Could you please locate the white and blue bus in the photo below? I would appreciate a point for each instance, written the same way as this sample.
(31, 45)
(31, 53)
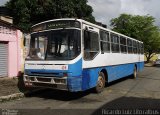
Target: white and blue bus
(76, 55)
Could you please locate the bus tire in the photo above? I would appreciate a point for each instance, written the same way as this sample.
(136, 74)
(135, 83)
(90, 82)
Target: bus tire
(100, 83)
(135, 73)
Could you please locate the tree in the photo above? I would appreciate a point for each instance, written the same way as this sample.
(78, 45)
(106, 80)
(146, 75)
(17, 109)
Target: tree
(29, 12)
(141, 28)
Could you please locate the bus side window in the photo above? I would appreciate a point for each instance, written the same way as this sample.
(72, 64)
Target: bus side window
(104, 41)
(123, 44)
(129, 45)
(86, 40)
(142, 48)
(139, 48)
(91, 44)
(115, 43)
(134, 47)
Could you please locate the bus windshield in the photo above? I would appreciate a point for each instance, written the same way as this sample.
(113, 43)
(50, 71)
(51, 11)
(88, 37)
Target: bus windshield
(62, 44)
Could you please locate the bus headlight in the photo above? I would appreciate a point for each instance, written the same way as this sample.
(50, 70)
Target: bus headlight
(60, 81)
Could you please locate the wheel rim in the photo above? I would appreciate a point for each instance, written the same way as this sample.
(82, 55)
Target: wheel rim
(100, 82)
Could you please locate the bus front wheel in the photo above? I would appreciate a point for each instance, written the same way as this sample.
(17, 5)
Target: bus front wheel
(100, 83)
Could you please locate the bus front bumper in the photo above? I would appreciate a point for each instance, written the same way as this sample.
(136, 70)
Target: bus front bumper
(72, 84)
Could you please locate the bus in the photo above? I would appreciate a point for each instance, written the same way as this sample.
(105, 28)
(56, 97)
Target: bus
(76, 55)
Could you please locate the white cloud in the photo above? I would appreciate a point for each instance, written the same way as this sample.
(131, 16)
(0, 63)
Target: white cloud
(133, 7)
(2, 2)
(105, 10)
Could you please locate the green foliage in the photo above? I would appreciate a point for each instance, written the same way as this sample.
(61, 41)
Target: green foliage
(141, 28)
(29, 12)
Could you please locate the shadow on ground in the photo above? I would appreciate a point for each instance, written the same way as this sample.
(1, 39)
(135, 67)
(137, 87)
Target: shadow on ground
(64, 95)
(128, 103)
(59, 94)
(121, 106)
(158, 66)
(120, 80)
(48, 93)
(21, 85)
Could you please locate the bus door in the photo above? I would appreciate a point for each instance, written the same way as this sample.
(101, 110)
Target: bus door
(90, 46)
(90, 55)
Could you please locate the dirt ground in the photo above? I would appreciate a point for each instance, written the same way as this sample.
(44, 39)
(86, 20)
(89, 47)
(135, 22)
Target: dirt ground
(10, 86)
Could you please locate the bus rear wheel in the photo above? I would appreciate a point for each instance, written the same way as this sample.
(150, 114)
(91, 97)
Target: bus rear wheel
(100, 83)
(135, 73)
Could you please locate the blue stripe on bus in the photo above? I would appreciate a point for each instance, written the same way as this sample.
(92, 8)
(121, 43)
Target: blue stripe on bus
(76, 68)
(74, 83)
(90, 76)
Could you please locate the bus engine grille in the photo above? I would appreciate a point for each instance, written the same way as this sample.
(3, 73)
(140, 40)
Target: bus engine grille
(44, 79)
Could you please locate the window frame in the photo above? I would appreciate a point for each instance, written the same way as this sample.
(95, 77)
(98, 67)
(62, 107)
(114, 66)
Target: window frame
(134, 47)
(138, 48)
(106, 41)
(124, 45)
(129, 45)
(98, 37)
(141, 48)
(113, 43)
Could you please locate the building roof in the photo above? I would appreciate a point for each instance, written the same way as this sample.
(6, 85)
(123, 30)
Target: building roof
(5, 12)
(8, 25)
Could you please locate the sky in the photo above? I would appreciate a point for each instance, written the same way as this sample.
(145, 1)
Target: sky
(2, 2)
(105, 10)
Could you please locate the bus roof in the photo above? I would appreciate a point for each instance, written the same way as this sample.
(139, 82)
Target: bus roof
(88, 23)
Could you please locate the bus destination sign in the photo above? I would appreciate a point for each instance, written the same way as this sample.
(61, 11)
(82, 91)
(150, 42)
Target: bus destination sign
(56, 24)
(62, 24)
